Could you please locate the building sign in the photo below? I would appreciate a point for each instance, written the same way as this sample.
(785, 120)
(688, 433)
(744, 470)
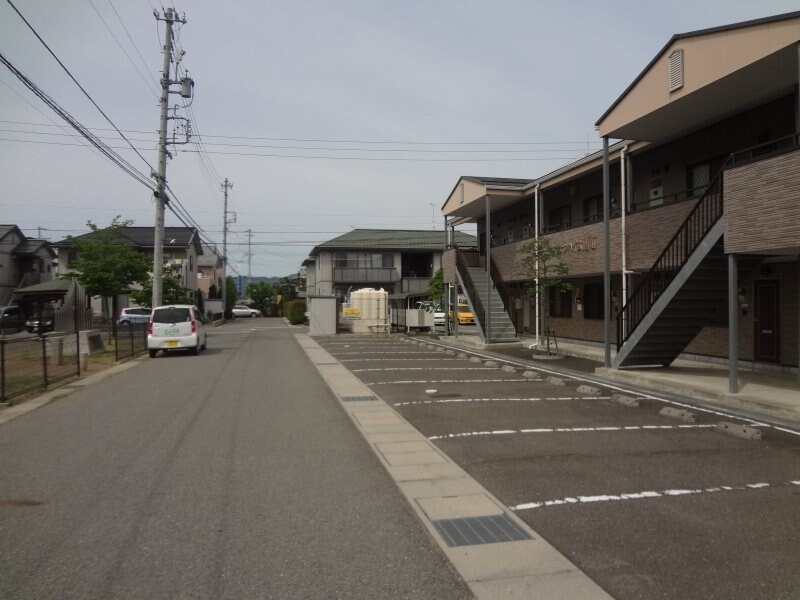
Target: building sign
(580, 245)
(351, 313)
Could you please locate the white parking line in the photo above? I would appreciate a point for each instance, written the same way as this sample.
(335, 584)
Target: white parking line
(650, 494)
(466, 400)
(428, 352)
(450, 436)
(455, 381)
(426, 369)
(440, 359)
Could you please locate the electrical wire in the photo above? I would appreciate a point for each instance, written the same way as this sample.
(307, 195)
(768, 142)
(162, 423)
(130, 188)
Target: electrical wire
(133, 43)
(67, 71)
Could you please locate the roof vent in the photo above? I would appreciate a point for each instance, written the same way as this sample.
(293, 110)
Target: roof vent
(676, 70)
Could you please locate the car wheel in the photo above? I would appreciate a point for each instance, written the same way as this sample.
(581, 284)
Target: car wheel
(153, 353)
(252, 315)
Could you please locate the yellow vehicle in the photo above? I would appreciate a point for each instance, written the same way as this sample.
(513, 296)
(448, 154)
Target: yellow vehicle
(465, 316)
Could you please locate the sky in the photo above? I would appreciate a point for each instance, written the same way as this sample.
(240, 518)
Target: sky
(325, 116)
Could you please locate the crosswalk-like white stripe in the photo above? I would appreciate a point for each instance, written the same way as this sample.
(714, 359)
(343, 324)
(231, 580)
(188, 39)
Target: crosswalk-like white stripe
(427, 369)
(454, 381)
(467, 400)
(650, 494)
(450, 436)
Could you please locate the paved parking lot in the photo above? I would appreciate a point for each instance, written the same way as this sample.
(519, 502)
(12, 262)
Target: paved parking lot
(647, 505)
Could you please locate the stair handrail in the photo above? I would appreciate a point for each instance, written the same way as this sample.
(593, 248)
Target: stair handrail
(500, 286)
(676, 253)
(469, 287)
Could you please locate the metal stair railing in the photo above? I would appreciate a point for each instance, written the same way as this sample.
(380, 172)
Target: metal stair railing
(469, 286)
(697, 224)
(500, 286)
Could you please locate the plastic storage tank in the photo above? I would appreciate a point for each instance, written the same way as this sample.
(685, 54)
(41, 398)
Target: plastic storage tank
(374, 305)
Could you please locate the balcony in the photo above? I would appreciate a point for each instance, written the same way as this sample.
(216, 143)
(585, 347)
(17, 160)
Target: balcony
(365, 275)
(415, 285)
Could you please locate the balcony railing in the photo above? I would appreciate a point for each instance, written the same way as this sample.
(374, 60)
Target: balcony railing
(415, 285)
(365, 274)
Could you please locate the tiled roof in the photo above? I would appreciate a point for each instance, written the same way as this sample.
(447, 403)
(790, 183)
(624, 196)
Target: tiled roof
(31, 246)
(143, 237)
(392, 239)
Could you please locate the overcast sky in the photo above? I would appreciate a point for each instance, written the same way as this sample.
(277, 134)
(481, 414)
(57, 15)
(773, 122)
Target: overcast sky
(365, 112)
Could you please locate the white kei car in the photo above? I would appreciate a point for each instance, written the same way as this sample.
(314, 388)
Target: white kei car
(176, 327)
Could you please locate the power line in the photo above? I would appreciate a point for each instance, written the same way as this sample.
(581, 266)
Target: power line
(133, 43)
(344, 141)
(67, 71)
(125, 52)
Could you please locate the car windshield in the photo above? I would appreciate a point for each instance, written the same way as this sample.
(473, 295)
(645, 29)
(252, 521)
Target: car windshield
(171, 315)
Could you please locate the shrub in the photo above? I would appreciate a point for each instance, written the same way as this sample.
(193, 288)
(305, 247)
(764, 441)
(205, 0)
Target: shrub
(295, 311)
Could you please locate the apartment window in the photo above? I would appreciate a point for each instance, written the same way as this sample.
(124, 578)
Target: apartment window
(593, 307)
(382, 261)
(558, 218)
(560, 302)
(593, 209)
(698, 178)
(340, 259)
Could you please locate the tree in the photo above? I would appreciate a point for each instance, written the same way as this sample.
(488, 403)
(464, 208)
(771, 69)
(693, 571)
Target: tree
(171, 291)
(212, 291)
(261, 295)
(542, 264)
(436, 286)
(107, 263)
(231, 296)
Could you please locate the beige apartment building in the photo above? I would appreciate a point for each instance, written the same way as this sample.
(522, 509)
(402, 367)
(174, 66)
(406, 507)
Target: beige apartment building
(702, 189)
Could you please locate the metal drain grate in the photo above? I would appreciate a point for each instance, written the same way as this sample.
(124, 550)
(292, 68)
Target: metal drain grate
(480, 530)
(357, 398)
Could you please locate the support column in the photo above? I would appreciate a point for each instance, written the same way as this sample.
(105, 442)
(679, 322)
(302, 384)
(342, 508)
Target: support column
(733, 325)
(488, 307)
(606, 256)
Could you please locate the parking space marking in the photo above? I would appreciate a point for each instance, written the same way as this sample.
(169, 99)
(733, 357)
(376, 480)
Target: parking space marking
(425, 369)
(393, 353)
(651, 494)
(455, 381)
(601, 429)
(468, 400)
(344, 360)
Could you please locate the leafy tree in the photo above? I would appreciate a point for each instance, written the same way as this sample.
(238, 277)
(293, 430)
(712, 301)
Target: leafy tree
(171, 291)
(231, 297)
(541, 263)
(436, 287)
(212, 291)
(261, 295)
(107, 263)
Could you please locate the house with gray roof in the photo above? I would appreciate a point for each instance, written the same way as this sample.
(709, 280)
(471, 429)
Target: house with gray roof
(182, 248)
(24, 261)
(400, 261)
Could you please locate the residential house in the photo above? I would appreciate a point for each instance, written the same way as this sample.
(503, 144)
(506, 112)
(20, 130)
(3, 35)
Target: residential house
(402, 262)
(182, 248)
(24, 261)
(209, 271)
(703, 211)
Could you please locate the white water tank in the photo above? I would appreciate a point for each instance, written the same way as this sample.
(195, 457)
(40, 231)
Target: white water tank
(374, 307)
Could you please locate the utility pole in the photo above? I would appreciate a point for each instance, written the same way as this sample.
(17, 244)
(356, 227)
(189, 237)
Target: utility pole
(249, 256)
(160, 194)
(225, 187)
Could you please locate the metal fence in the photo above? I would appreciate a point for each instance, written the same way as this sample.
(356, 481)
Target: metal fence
(130, 340)
(28, 364)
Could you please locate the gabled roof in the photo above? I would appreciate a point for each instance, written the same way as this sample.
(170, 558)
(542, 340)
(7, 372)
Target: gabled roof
(31, 246)
(143, 237)
(6, 229)
(392, 239)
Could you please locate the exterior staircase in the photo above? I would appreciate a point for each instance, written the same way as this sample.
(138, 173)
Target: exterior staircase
(473, 282)
(685, 289)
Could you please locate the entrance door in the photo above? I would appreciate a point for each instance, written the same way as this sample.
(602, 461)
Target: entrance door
(767, 321)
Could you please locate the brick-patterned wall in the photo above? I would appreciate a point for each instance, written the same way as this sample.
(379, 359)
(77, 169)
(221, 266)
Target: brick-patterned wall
(449, 266)
(762, 205)
(647, 234)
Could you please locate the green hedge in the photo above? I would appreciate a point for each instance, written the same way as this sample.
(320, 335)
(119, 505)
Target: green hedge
(295, 311)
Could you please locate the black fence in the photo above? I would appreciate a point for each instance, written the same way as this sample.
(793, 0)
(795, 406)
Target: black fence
(130, 340)
(32, 363)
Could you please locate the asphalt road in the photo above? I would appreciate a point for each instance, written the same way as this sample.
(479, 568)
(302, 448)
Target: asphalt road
(233, 474)
(648, 506)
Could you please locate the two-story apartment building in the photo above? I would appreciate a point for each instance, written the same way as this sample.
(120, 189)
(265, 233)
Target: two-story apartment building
(182, 248)
(402, 262)
(703, 201)
(24, 261)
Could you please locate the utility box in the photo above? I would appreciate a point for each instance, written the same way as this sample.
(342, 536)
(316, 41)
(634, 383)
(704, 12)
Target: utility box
(419, 319)
(322, 315)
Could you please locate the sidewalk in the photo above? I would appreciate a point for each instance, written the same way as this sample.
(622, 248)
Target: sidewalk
(768, 394)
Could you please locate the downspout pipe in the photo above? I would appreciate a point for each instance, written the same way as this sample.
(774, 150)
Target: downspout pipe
(606, 257)
(623, 167)
(488, 307)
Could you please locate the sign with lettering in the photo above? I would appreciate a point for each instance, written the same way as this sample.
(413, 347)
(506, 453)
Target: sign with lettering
(351, 313)
(580, 245)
